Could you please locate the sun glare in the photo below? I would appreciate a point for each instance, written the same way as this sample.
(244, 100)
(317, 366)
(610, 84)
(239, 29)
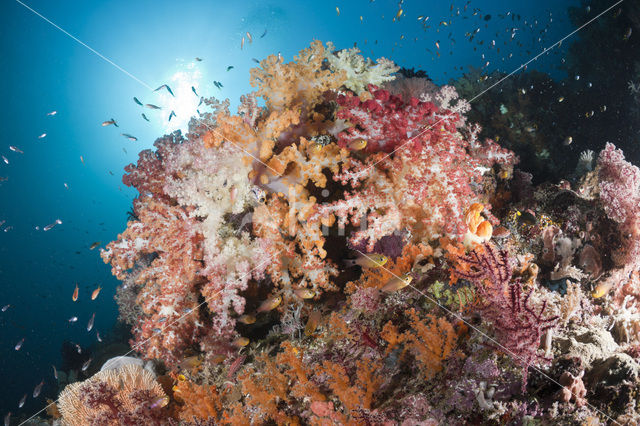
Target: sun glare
(185, 102)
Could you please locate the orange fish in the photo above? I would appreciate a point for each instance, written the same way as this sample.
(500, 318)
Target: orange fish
(312, 323)
(75, 294)
(247, 319)
(241, 342)
(270, 304)
(95, 293)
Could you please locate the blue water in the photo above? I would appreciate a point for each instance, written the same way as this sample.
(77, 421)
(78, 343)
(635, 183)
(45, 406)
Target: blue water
(42, 69)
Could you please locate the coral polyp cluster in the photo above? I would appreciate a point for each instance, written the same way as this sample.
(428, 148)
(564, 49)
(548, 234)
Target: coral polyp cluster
(346, 249)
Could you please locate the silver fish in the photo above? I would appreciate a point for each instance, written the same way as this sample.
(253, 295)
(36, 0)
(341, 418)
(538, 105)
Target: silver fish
(52, 113)
(86, 364)
(78, 348)
(22, 401)
(73, 319)
(242, 43)
(249, 37)
(130, 137)
(166, 87)
(5, 159)
(109, 122)
(90, 323)
(19, 344)
(16, 149)
(136, 100)
(5, 307)
(98, 336)
(44, 135)
(55, 372)
(37, 389)
(152, 106)
(49, 226)
(7, 419)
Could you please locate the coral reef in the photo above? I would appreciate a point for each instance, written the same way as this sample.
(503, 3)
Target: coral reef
(356, 251)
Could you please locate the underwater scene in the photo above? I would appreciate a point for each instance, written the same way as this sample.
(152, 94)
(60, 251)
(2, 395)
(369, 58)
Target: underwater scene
(358, 212)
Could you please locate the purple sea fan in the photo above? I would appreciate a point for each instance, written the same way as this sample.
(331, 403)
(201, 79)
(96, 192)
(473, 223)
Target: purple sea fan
(517, 325)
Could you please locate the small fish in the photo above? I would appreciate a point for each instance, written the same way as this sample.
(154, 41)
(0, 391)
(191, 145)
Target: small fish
(312, 323)
(95, 293)
(230, 67)
(162, 319)
(561, 99)
(78, 348)
(529, 129)
(397, 283)
(109, 122)
(37, 389)
(81, 159)
(264, 33)
(249, 37)
(156, 330)
(242, 43)
(66, 185)
(98, 336)
(373, 260)
(5, 159)
(270, 304)
(90, 323)
(7, 419)
(173, 114)
(52, 113)
(94, 245)
(589, 114)
(159, 402)
(86, 364)
(247, 319)
(337, 10)
(627, 34)
(22, 401)
(166, 87)
(201, 101)
(19, 344)
(75, 293)
(73, 319)
(255, 60)
(49, 226)
(16, 149)
(357, 144)
(193, 89)
(144, 116)
(567, 141)
(187, 311)
(55, 372)
(130, 137)
(241, 342)
(399, 14)
(304, 293)
(198, 59)
(5, 307)
(437, 45)
(152, 106)
(526, 218)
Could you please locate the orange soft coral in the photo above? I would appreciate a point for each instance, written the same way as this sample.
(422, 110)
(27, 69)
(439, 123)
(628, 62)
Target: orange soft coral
(295, 83)
(197, 402)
